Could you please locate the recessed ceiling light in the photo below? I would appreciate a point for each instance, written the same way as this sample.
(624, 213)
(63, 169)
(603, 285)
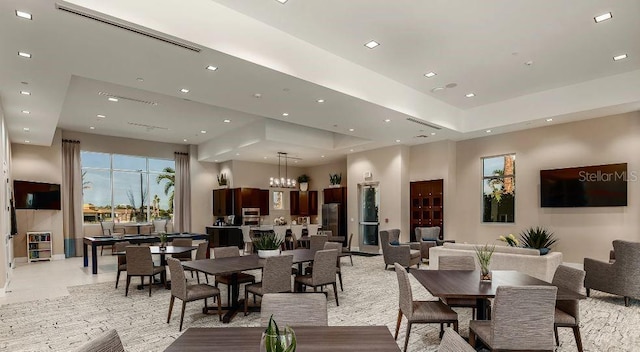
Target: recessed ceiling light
(322, 156)
(257, 95)
(320, 101)
(603, 17)
(351, 130)
(184, 140)
(203, 131)
(184, 90)
(470, 95)
(216, 160)
(27, 141)
(140, 79)
(101, 116)
(26, 129)
(112, 99)
(433, 133)
(24, 92)
(387, 120)
(397, 141)
(282, 1)
(620, 57)
(265, 157)
(430, 74)
(23, 14)
(350, 150)
(488, 131)
(372, 44)
(25, 55)
(237, 153)
(437, 89)
(226, 120)
(26, 111)
(549, 120)
(285, 114)
(92, 128)
(211, 68)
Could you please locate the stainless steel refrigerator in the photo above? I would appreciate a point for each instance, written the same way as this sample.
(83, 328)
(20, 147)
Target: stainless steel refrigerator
(331, 218)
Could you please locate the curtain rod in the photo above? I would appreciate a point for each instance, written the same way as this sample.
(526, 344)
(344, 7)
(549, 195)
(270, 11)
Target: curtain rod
(180, 153)
(70, 141)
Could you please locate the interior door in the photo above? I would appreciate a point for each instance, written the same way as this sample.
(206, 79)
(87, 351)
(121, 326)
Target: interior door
(369, 202)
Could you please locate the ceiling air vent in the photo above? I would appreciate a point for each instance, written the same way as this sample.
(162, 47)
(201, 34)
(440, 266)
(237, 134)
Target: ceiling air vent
(423, 123)
(120, 97)
(80, 11)
(148, 127)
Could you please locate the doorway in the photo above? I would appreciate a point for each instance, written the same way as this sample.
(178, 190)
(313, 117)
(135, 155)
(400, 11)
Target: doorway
(369, 202)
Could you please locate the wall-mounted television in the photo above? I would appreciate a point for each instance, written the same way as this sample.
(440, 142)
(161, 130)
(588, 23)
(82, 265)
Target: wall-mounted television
(36, 195)
(586, 186)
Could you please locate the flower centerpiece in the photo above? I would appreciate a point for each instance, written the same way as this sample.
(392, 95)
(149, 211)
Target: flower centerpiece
(274, 340)
(484, 254)
(510, 239)
(268, 245)
(163, 239)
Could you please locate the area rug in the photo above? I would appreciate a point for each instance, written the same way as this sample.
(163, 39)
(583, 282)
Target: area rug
(369, 298)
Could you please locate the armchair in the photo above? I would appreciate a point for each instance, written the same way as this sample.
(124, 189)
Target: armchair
(397, 253)
(428, 237)
(622, 277)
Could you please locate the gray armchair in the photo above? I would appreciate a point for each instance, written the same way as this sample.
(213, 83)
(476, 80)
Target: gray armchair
(428, 237)
(401, 253)
(622, 277)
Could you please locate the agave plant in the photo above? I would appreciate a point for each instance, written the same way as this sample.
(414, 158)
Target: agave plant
(537, 237)
(275, 341)
(267, 241)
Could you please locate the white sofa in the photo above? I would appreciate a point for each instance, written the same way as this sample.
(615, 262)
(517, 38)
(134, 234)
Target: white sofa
(525, 260)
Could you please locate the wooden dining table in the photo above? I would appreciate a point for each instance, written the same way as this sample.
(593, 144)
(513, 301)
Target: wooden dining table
(233, 266)
(308, 338)
(467, 284)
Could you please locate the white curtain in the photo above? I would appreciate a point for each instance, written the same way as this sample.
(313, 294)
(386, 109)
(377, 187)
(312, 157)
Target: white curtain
(71, 198)
(182, 210)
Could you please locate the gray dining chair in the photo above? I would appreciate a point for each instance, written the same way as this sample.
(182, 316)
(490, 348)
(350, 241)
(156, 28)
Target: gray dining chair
(109, 229)
(140, 263)
(317, 242)
(201, 253)
(188, 293)
(182, 242)
(324, 272)
(338, 247)
(422, 312)
(346, 251)
(243, 278)
(107, 342)
(568, 311)
(452, 342)
(522, 319)
(294, 309)
(454, 262)
(122, 259)
(159, 225)
(276, 277)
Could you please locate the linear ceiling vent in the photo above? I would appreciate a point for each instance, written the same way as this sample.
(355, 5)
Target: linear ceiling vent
(148, 127)
(424, 123)
(127, 26)
(120, 97)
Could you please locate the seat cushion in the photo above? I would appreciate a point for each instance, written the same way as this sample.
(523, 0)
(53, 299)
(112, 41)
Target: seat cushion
(432, 311)
(413, 253)
(200, 291)
(482, 328)
(242, 279)
(254, 288)
(304, 279)
(563, 318)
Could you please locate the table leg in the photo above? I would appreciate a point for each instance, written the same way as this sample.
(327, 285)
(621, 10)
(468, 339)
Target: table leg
(85, 255)
(163, 275)
(481, 309)
(94, 258)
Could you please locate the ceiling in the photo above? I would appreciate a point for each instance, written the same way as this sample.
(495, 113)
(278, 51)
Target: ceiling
(525, 61)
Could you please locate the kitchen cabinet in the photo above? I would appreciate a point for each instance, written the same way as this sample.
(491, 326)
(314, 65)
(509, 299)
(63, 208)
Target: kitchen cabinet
(223, 202)
(231, 201)
(264, 202)
(303, 203)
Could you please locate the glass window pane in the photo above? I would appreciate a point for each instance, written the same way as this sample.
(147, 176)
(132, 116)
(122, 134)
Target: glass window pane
(499, 165)
(159, 165)
(161, 188)
(498, 188)
(95, 160)
(127, 162)
(130, 196)
(96, 192)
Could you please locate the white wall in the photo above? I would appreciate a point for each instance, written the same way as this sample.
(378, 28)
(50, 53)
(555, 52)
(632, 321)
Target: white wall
(203, 181)
(6, 243)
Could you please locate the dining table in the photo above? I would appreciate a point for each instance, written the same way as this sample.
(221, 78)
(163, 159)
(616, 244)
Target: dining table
(467, 284)
(308, 339)
(233, 266)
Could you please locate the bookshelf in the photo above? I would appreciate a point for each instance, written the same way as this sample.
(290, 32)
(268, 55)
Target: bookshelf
(39, 246)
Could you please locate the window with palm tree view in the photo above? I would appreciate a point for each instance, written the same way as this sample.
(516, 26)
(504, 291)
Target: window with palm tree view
(126, 188)
(499, 188)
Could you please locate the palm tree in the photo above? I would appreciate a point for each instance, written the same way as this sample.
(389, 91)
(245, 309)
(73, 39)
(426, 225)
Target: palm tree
(169, 175)
(85, 184)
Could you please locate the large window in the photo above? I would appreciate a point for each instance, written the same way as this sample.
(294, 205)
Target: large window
(126, 188)
(499, 188)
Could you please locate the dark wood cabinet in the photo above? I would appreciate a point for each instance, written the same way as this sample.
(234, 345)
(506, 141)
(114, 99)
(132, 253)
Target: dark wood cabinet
(427, 208)
(303, 203)
(231, 201)
(313, 203)
(335, 195)
(264, 202)
(338, 195)
(222, 202)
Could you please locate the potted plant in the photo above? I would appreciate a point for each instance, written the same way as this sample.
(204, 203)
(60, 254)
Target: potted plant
(222, 179)
(163, 239)
(303, 181)
(538, 238)
(484, 254)
(335, 180)
(274, 340)
(268, 245)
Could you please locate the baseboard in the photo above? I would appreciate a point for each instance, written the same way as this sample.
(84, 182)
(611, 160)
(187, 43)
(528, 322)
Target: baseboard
(58, 257)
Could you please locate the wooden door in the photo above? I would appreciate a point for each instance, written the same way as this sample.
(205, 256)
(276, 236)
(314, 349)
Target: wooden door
(294, 203)
(427, 205)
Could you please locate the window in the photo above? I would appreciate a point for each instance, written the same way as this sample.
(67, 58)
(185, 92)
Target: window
(126, 188)
(499, 188)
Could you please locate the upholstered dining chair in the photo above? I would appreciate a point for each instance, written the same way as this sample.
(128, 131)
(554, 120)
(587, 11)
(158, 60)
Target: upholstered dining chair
(122, 259)
(522, 319)
(338, 247)
(622, 277)
(243, 278)
(454, 262)
(107, 342)
(109, 229)
(294, 309)
(188, 293)
(182, 242)
(452, 342)
(201, 253)
(159, 225)
(324, 272)
(317, 242)
(397, 253)
(246, 238)
(346, 251)
(140, 263)
(423, 312)
(312, 229)
(276, 277)
(568, 312)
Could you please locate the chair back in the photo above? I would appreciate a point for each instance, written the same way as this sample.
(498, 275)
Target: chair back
(384, 239)
(121, 247)
(456, 262)
(312, 229)
(627, 259)
(246, 233)
(178, 279)
(109, 341)
(523, 317)
(394, 235)
(337, 246)
(316, 243)
(405, 296)
(276, 274)
(324, 267)
(280, 231)
(139, 261)
(182, 242)
(226, 252)
(327, 233)
(452, 342)
(294, 309)
(427, 233)
(160, 225)
(571, 279)
(108, 227)
(201, 252)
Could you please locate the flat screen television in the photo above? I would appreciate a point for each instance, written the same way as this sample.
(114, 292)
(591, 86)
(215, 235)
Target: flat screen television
(36, 195)
(587, 186)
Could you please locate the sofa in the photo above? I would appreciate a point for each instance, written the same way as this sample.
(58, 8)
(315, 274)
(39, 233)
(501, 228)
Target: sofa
(525, 260)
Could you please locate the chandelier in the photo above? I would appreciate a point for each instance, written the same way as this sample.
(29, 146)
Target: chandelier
(282, 182)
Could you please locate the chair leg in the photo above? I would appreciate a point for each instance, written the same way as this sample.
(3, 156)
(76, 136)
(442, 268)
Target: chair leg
(246, 300)
(173, 298)
(229, 295)
(335, 293)
(118, 277)
(182, 314)
(126, 291)
(406, 338)
(206, 277)
(340, 278)
(588, 292)
(455, 326)
(150, 284)
(555, 333)
(576, 334)
(398, 324)
(351, 259)
(472, 338)
(385, 266)
(197, 275)
(626, 301)
(219, 307)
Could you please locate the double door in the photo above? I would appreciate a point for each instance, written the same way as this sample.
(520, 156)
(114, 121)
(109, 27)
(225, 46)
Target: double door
(427, 208)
